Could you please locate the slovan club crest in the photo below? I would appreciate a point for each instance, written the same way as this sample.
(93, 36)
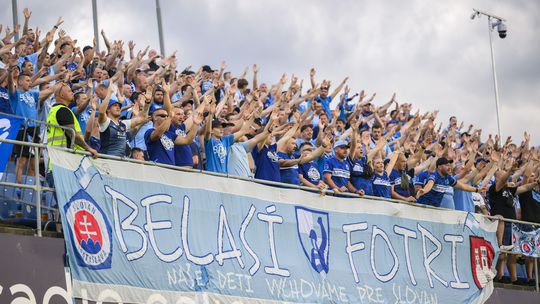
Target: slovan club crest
(90, 232)
(313, 229)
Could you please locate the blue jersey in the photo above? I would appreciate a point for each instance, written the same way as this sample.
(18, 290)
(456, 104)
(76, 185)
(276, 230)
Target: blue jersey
(266, 163)
(24, 103)
(359, 178)
(83, 117)
(182, 153)
(217, 153)
(310, 172)
(289, 175)
(113, 137)
(162, 149)
(381, 185)
(321, 162)
(339, 169)
(435, 196)
(396, 181)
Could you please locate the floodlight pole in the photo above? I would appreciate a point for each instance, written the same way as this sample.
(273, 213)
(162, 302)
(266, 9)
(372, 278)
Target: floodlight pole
(493, 66)
(96, 30)
(14, 11)
(160, 29)
(495, 85)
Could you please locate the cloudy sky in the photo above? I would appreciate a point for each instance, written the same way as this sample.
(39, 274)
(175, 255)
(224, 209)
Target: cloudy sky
(429, 52)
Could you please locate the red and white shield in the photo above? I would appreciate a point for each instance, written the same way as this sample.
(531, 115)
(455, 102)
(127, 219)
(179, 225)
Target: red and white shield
(482, 254)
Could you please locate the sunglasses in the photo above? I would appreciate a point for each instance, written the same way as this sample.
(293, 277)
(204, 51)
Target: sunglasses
(162, 115)
(324, 88)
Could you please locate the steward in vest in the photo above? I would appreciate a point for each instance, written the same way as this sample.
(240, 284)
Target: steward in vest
(61, 115)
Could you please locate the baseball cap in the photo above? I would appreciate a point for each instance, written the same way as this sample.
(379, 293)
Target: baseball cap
(479, 160)
(113, 102)
(341, 143)
(443, 161)
(216, 123)
(207, 68)
(185, 103)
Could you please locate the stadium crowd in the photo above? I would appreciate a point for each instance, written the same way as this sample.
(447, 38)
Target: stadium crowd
(137, 103)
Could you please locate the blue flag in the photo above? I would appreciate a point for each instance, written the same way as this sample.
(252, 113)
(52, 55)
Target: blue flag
(9, 127)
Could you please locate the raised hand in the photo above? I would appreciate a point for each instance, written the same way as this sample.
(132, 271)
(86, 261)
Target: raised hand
(312, 72)
(27, 13)
(131, 45)
(59, 22)
(255, 69)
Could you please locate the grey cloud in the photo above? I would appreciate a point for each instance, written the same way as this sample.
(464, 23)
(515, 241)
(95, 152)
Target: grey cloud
(429, 52)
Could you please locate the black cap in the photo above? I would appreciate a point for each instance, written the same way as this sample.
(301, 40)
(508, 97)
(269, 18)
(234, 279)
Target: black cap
(216, 123)
(185, 103)
(207, 68)
(187, 72)
(443, 161)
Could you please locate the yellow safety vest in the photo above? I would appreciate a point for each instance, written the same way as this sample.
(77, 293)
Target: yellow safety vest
(55, 135)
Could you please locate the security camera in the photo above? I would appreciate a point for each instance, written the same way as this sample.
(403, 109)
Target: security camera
(501, 28)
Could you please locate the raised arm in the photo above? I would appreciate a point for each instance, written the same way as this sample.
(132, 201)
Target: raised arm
(316, 153)
(338, 89)
(527, 187)
(283, 140)
(312, 78)
(245, 128)
(392, 162)
(104, 104)
(27, 13)
(255, 72)
(197, 119)
(107, 43)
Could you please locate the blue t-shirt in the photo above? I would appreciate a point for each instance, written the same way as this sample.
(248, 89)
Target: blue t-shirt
(325, 103)
(381, 185)
(83, 117)
(463, 200)
(421, 178)
(33, 58)
(266, 163)
(289, 175)
(217, 152)
(339, 169)
(161, 150)
(358, 175)
(125, 103)
(395, 180)
(206, 85)
(269, 101)
(182, 153)
(310, 172)
(435, 195)
(5, 105)
(139, 139)
(25, 104)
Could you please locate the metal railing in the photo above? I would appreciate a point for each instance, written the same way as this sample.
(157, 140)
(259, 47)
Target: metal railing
(38, 188)
(30, 145)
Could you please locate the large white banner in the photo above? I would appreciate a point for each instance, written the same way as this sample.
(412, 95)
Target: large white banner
(144, 234)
